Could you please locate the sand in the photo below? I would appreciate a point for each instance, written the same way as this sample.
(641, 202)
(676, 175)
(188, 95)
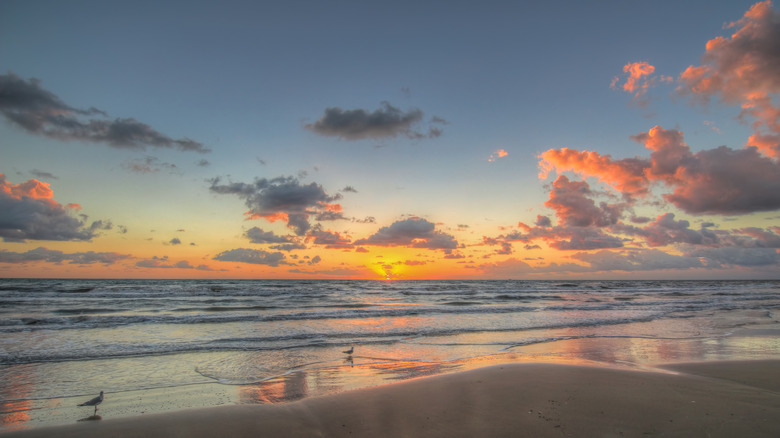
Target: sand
(717, 399)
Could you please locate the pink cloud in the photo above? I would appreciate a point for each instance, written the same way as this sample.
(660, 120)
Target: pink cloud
(742, 69)
(573, 205)
(638, 80)
(717, 181)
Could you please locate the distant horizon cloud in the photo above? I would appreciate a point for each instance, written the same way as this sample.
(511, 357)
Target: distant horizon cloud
(252, 256)
(38, 111)
(386, 122)
(42, 254)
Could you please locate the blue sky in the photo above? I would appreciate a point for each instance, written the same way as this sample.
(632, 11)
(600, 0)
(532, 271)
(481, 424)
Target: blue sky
(249, 80)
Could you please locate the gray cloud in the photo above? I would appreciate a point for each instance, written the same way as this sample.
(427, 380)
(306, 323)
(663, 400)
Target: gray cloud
(27, 211)
(41, 174)
(162, 263)
(282, 198)
(331, 239)
(149, 165)
(42, 254)
(253, 256)
(385, 122)
(41, 112)
(413, 232)
(637, 260)
(665, 230)
(257, 235)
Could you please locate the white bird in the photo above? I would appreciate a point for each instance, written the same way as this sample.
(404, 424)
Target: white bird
(350, 351)
(94, 402)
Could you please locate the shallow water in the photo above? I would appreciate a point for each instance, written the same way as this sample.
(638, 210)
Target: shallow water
(171, 344)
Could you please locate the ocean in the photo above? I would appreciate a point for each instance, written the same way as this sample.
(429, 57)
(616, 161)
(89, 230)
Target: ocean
(155, 345)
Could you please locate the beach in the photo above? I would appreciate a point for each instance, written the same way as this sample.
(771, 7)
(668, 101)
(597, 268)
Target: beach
(712, 399)
(273, 351)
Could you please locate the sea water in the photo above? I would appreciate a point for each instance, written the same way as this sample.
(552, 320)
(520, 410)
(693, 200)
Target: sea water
(65, 339)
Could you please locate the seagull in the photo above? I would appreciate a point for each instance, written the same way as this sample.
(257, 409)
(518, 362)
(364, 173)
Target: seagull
(349, 351)
(94, 402)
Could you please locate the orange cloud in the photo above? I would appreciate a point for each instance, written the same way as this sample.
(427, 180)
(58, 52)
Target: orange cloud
(626, 175)
(743, 69)
(638, 79)
(719, 181)
(31, 188)
(501, 153)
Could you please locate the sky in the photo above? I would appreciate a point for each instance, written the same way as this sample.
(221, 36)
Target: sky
(390, 140)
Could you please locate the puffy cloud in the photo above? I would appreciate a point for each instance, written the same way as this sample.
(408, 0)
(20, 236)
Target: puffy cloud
(716, 181)
(42, 254)
(385, 122)
(625, 175)
(665, 230)
(41, 112)
(253, 256)
(543, 221)
(573, 206)
(743, 69)
(28, 211)
(727, 181)
(331, 239)
(413, 232)
(580, 238)
(282, 198)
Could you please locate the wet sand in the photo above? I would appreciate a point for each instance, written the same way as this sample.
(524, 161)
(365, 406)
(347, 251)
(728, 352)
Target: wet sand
(717, 399)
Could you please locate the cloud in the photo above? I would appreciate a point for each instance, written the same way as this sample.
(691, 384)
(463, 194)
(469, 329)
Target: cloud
(665, 230)
(282, 198)
(513, 267)
(638, 80)
(637, 260)
(148, 165)
(257, 235)
(715, 181)
(253, 256)
(162, 263)
(501, 153)
(742, 69)
(331, 239)
(41, 174)
(736, 256)
(413, 232)
(28, 211)
(42, 254)
(39, 111)
(385, 122)
(573, 206)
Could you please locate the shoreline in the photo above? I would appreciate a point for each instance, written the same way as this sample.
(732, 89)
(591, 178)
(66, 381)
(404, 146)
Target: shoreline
(717, 398)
